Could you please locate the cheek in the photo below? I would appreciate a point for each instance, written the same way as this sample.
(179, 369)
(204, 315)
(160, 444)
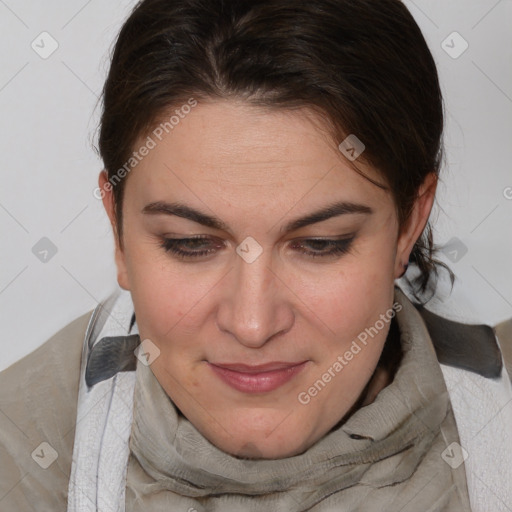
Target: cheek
(164, 305)
(162, 295)
(351, 297)
(353, 312)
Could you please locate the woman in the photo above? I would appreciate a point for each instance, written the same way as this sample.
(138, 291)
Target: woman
(270, 167)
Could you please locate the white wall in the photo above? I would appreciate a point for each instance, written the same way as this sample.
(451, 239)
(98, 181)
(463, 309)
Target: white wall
(49, 115)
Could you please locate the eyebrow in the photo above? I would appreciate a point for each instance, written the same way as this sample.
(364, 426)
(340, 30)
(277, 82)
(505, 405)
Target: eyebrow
(187, 212)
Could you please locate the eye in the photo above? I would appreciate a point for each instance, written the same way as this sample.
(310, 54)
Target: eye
(199, 246)
(325, 247)
(192, 247)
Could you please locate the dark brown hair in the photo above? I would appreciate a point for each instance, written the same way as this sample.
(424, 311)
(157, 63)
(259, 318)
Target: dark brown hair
(363, 65)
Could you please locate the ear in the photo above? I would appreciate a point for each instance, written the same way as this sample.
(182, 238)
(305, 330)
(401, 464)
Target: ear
(416, 223)
(107, 196)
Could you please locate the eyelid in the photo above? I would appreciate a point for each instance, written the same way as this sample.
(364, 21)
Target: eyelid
(339, 246)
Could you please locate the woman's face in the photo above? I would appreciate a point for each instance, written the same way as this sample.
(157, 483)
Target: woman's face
(255, 325)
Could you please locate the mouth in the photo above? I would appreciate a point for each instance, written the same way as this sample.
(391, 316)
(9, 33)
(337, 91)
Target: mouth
(258, 378)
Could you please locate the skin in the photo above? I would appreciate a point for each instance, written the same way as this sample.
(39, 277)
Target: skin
(256, 170)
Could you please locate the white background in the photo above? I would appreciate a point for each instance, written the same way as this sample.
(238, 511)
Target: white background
(49, 116)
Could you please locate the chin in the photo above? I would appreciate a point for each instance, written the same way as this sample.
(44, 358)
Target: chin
(272, 442)
(263, 449)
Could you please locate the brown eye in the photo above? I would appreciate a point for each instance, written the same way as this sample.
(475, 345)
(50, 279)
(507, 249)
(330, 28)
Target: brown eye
(324, 247)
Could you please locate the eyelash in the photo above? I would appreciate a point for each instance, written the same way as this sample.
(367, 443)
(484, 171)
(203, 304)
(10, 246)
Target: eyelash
(339, 247)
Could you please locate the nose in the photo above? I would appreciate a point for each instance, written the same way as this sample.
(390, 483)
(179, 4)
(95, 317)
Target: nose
(254, 306)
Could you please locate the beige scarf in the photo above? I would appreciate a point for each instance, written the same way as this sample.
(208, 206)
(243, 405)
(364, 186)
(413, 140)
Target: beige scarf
(388, 456)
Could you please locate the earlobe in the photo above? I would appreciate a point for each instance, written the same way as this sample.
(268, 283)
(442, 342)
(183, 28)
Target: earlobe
(109, 205)
(416, 223)
(122, 273)
(405, 267)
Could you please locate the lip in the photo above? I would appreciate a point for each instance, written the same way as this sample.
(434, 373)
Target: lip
(257, 378)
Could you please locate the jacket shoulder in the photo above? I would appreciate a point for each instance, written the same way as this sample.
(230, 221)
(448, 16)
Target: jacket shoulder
(38, 403)
(471, 347)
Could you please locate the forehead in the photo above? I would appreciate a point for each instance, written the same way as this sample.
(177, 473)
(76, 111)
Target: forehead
(247, 154)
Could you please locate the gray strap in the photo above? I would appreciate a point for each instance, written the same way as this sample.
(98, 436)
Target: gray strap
(470, 347)
(110, 355)
(504, 334)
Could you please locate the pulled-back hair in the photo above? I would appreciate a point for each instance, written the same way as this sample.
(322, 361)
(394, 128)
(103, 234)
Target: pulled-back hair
(363, 65)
